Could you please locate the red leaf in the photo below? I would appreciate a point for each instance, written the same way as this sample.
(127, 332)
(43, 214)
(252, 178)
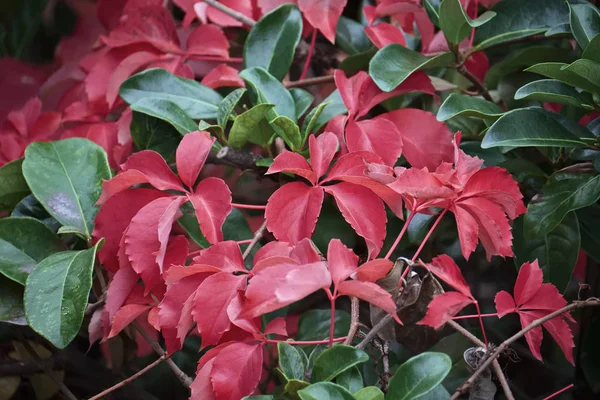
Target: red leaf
(226, 256)
(272, 250)
(363, 210)
(210, 305)
(127, 67)
(383, 34)
(305, 252)
(223, 76)
(202, 388)
(426, 141)
(301, 282)
(528, 283)
(322, 150)
(208, 40)
(374, 270)
(126, 315)
(323, 15)
(420, 189)
(342, 261)
(370, 292)
(443, 307)
(292, 211)
(191, 155)
(446, 269)
(114, 217)
(378, 136)
(237, 370)
(119, 288)
(277, 326)
(165, 223)
(212, 203)
(293, 163)
(504, 303)
(478, 65)
(95, 327)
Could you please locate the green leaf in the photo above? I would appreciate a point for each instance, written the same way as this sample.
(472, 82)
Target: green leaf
(358, 62)
(251, 126)
(558, 71)
(11, 303)
(264, 88)
(66, 177)
(456, 24)
(432, 8)
(56, 295)
(291, 362)
(517, 19)
(394, 63)
(272, 41)
(589, 228)
(31, 207)
(370, 392)
(311, 121)
(302, 100)
(334, 106)
(490, 157)
(227, 106)
(533, 127)
(592, 51)
(350, 379)
(556, 92)
(589, 71)
(331, 224)
(336, 360)
(196, 100)
(556, 251)
(438, 393)
(468, 106)
(585, 23)
(418, 376)
(13, 187)
(314, 324)
(562, 193)
(325, 391)
(167, 111)
(23, 27)
(350, 36)
(150, 133)
(289, 131)
(23, 243)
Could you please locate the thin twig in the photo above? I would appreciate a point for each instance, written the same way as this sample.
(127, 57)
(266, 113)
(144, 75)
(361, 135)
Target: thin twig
(498, 350)
(310, 81)
(91, 307)
(495, 364)
(182, 376)
(374, 331)
(473, 79)
(354, 314)
(257, 236)
(385, 359)
(232, 13)
(130, 379)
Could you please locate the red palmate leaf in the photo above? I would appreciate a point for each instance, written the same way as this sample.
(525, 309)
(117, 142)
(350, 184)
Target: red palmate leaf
(293, 163)
(341, 261)
(226, 256)
(444, 268)
(212, 203)
(236, 371)
(301, 282)
(126, 315)
(383, 34)
(370, 292)
(165, 223)
(378, 136)
(223, 76)
(374, 270)
(322, 149)
(443, 307)
(323, 15)
(208, 40)
(535, 300)
(191, 155)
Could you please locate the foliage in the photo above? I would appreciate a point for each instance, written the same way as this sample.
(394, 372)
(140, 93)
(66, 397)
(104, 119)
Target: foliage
(434, 141)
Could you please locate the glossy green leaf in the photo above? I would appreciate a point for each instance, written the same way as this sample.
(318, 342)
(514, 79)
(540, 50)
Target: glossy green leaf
(292, 387)
(517, 19)
(150, 133)
(311, 121)
(23, 243)
(272, 41)
(263, 88)
(394, 63)
(592, 51)
(325, 391)
(350, 36)
(468, 106)
(11, 302)
(559, 30)
(558, 71)
(31, 207)
(585, 22)
(562, 193)
(314, 324)
(227, 106)
(589, 228)
(56, 295)
(167, 111)
(589, 71)
(251, 126)
(556, 92)
(291, 362)
(370, 392)
(288, 131)
(456, 24)
(336, 360)
(196, 100)
(350, 379)
(66, 177)
(432, 8)
(358, 62)
(555, 251)
(490, 157)
(534, 127)
(13, 187)
(438, 393)
(418, 376)
(334, 106)
(302, 100)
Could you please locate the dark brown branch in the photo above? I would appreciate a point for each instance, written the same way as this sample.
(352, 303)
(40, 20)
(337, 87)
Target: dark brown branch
(478, 85)
(374, 331)
(130, 379)
(354, 315)
(310, 81)
(236, 158)
(504, 345)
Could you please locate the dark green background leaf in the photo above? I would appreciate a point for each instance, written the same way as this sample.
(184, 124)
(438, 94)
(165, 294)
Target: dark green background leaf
(418, 376)
(336, 360)
(13, 187)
